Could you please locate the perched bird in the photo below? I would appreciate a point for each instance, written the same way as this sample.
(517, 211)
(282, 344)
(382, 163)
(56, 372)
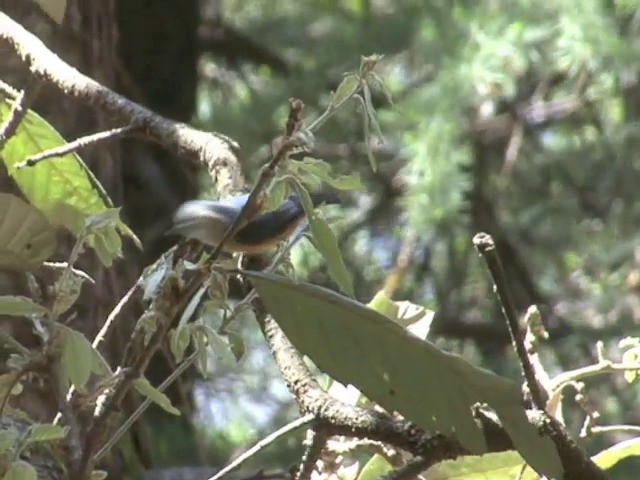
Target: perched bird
(208, 220)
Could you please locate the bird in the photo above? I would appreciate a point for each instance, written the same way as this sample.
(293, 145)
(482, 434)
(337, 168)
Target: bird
(208, 220)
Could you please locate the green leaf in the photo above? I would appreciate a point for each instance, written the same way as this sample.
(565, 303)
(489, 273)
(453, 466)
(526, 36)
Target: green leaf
(54, 8)
(77, 357)
(326, 243)
(312, 171)
(218, 345)
(606, 459)
(367, 136)
(106, 218)
(278, 191)
(8, 438)
(9, 384)
(316, 167)
(67, 289)
(236, 344)
(143, 386)
(202, 360)
(98, 475)
(62, 188)
(348, 182)
(381, 303)
(20, 306)
(414, 318)
(375, 81)
(631, 356)
(20, 470)
(347, 88)
(375, 468)
(147, 324)
(491, 466)
(46, 432)
(179, 341)
(362, 347)
(98, 364)
(371, 112)
(26, 237)
(539, 452)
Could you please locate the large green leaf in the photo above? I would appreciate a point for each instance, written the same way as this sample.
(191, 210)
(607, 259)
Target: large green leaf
(26, 237)
(62, 188)
(20, 306)
(79, 359)
(394, 368)
(609, 457)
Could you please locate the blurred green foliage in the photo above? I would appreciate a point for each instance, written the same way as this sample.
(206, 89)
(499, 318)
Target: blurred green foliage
(515, 117)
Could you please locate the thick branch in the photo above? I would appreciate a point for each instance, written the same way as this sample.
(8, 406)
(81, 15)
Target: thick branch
(179, 138)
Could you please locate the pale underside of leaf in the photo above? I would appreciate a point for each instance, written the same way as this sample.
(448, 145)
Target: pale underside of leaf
(392, 367)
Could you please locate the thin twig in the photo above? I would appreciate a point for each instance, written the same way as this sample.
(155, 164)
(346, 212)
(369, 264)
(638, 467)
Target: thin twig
(76, 271)
(166, 307)
(484, 244)
(20, 108)
(565, 378)
(75, 145)
(173, 308)
(635, 429)
(534, 333)
(316, 445)
(73, 438)
(187, 362)
(99, 338)
(264, 443)
(575, 462)
(145, 404)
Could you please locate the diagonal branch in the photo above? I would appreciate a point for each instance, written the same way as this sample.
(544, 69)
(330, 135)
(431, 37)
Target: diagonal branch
(486, 247)
(179, 138)
(20, 107)
(76, 144)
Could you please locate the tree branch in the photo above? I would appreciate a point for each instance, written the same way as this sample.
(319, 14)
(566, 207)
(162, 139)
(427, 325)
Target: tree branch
(21, 105)
(483, 242)
(77, 144)
(575, 462)
(182, 140)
